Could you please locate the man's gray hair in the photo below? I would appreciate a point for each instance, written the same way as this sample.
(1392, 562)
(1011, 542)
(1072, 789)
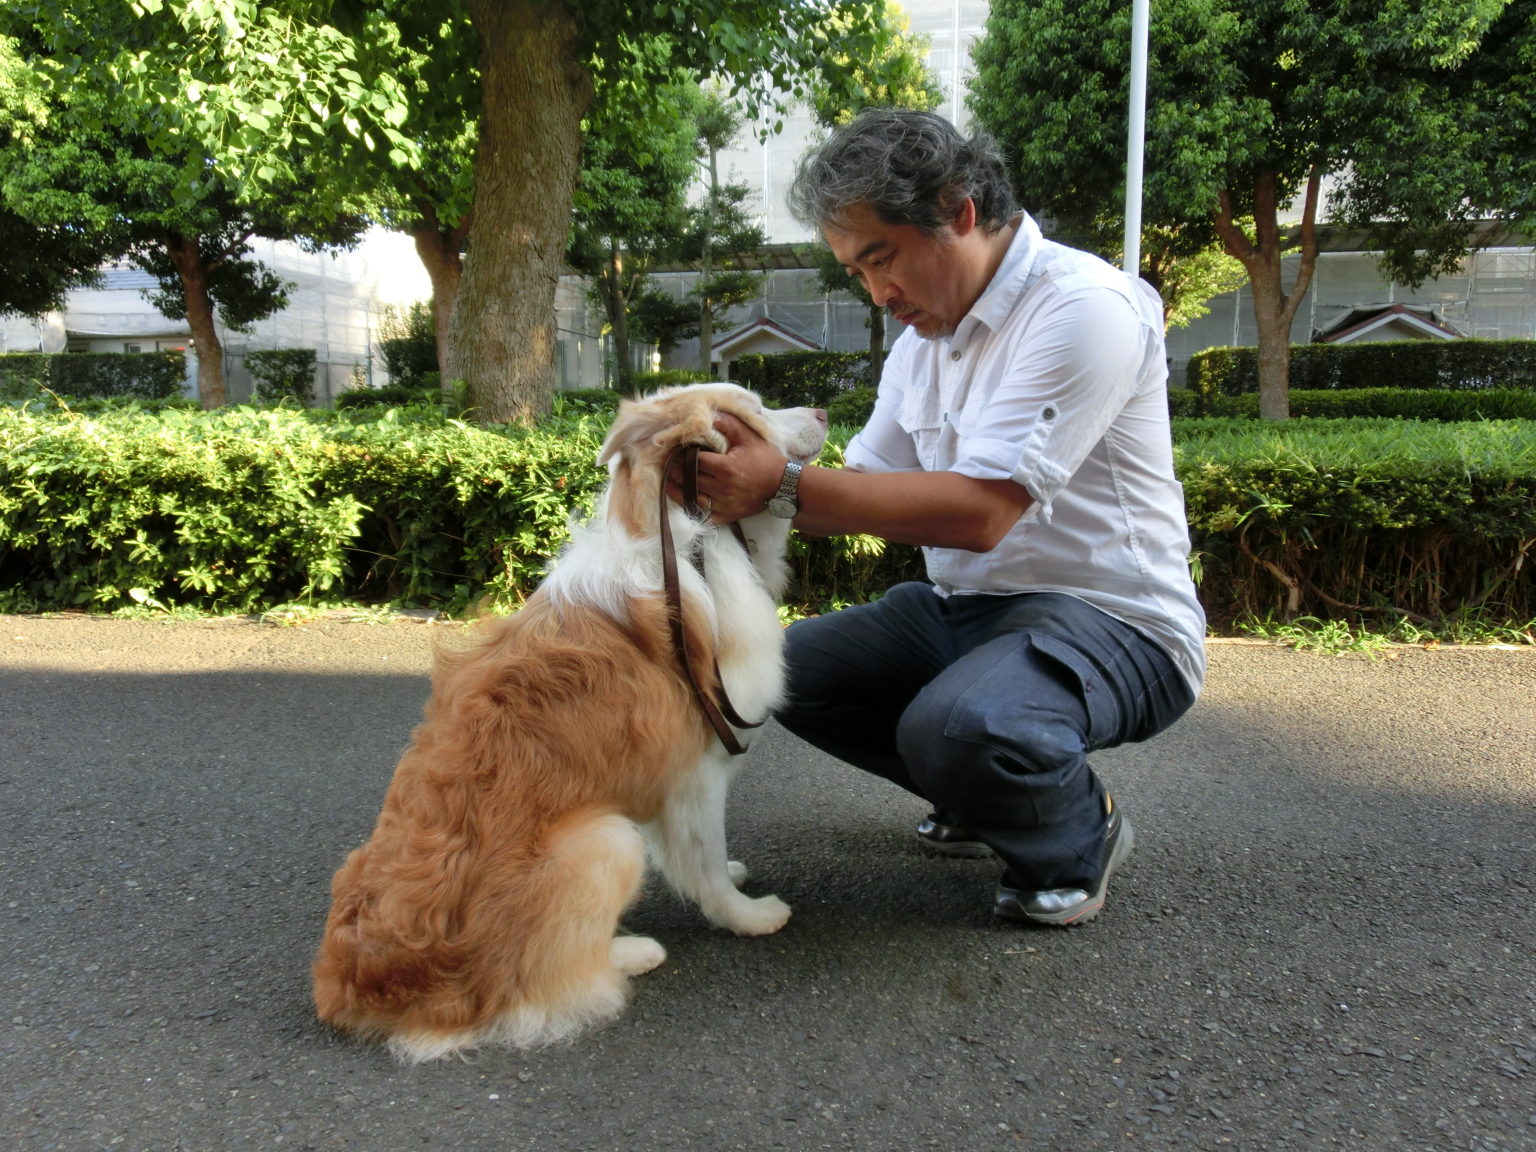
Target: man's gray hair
(908, 167)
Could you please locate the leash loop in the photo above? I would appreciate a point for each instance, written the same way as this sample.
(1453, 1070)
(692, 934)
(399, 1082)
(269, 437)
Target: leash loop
(721, 714)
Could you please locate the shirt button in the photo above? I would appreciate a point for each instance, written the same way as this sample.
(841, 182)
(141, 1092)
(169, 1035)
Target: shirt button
(956, 354)
(1050, 412)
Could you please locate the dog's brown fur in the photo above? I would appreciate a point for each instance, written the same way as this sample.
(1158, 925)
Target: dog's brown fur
(483, 906)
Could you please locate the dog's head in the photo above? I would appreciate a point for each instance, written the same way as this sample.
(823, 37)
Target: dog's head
(646, 432)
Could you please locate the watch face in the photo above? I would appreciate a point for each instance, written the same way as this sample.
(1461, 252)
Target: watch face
(783, 507)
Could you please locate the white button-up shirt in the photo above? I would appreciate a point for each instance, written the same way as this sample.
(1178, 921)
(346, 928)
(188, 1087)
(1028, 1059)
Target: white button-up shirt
(1056, 379)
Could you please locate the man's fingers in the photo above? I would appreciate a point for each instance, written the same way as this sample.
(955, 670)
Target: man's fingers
(733, 428)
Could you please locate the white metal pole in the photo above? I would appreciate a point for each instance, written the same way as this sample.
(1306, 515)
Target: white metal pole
(1135, 131)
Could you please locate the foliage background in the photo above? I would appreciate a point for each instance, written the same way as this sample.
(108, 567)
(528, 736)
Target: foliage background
(245, 510)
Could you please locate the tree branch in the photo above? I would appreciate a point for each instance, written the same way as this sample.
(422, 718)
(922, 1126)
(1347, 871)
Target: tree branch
(1233, 238)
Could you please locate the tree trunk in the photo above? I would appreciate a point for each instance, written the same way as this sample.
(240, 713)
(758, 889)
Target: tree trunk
(439, 249)
(706, 305)
(187, 258)
(1273, 308)
(534, 92)
(876, 345)
(616, 304)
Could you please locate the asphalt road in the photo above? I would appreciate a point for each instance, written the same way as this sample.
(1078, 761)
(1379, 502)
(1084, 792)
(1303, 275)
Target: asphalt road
(1326, 938)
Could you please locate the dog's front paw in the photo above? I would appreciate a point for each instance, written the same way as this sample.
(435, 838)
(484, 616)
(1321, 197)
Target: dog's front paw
(760, 917)
(633, 955)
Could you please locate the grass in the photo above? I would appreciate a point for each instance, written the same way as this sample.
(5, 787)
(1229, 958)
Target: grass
(1340, 638)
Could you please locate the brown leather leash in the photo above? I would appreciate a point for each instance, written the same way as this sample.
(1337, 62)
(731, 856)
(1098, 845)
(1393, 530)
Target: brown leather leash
(721, 715)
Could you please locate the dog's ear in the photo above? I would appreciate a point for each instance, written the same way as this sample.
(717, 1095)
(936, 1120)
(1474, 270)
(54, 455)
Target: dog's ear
(663, 423)
(621, 433)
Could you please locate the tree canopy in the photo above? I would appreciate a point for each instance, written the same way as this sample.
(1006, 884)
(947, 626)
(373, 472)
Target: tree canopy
(631, 209)
(334, 97)
(1250, 107)
(896, 76)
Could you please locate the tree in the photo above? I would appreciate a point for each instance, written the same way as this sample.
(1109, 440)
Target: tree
(1249, 109)
(662, 319)
(39, 263)
(112, 192)
(261, 82)
(896, 76)
(537, 66)
(427, 190)
(127, 176)
(631, 207)
(722, 228)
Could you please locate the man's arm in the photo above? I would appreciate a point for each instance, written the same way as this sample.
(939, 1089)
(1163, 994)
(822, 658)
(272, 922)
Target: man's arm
(932, 509)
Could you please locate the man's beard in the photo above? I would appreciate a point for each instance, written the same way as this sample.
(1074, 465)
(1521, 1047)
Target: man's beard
(936, 330)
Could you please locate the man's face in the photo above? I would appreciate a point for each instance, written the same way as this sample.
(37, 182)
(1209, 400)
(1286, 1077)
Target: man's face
(920, 279)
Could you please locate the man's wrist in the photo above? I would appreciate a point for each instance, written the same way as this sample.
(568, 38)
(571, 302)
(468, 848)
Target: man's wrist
(785, 500)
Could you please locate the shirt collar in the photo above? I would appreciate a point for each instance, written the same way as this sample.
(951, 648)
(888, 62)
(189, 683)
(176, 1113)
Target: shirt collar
(996, 302)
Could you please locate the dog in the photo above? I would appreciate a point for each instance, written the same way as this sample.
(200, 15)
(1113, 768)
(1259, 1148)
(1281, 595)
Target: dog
(562, 743)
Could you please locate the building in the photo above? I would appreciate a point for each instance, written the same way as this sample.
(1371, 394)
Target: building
(335, 307)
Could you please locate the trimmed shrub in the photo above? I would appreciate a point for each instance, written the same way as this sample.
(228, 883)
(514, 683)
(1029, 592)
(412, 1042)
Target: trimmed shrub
(1450, 364)
(589, 401)
(243, 509)
(136, 375)
(645, 382)
(1352, 518)
(280, 374)
(852, 407)
(408, 343)
(801, 379)
(386, 396)
(1399, 403)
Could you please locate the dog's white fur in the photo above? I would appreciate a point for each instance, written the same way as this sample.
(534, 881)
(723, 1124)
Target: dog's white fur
(554, 749)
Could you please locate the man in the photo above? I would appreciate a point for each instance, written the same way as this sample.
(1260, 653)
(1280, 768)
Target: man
(1020, 436)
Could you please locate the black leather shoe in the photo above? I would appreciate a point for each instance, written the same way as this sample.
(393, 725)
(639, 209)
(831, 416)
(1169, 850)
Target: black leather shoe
(1067, 907)
(951, 839)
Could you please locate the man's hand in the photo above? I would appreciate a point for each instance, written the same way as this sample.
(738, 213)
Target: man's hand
(739, 481)
(933, 509)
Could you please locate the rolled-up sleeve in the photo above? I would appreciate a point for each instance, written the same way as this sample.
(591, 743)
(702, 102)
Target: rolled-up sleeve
(1062, 383)
(883, 445)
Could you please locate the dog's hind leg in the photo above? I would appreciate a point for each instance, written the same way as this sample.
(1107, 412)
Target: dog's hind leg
(634, 955)
(571, 971)
(687, 842)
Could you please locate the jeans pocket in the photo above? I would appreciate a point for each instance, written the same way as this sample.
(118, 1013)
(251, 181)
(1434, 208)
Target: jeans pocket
(1078, 673)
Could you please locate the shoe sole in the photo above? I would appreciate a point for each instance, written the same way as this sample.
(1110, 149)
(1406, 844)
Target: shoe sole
(958, 849)
(1088, 911)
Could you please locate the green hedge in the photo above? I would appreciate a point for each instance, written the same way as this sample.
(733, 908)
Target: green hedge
(139, 375)
(389, 396)
(1449, 364)
(1355, 518)
(241, 510)
(1395, 403)
(647, 382)
(280, 374)
(801, 379)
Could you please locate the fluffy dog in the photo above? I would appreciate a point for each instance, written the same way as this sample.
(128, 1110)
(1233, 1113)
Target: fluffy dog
(554, 749)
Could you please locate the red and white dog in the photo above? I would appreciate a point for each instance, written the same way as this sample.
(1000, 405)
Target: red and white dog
(553, 750)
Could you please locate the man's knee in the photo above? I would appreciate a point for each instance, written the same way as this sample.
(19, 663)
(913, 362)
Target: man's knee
(964, 746)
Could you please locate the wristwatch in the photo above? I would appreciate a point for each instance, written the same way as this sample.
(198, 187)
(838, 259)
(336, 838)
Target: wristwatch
(785, 503)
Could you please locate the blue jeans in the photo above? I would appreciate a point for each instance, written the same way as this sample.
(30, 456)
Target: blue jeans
(987, 707)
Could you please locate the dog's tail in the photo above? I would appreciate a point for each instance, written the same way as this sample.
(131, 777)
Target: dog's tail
(516, 949)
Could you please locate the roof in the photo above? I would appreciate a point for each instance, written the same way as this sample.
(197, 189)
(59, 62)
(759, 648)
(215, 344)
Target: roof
(760, 326)
(768, 258)
(1358, 322)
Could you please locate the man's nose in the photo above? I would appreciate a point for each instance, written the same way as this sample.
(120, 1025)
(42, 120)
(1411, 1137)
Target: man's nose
(881, 290)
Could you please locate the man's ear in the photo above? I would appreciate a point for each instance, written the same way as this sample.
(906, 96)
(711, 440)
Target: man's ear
(965, 218)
